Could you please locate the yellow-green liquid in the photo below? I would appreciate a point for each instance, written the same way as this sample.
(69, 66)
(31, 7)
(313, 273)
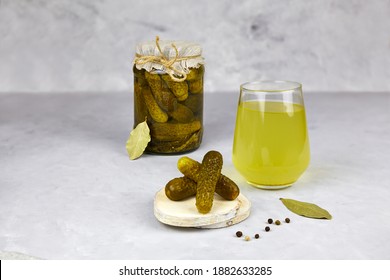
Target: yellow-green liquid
(271, 143)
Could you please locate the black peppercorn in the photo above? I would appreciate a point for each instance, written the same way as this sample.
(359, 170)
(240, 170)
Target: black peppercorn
(267, 229)
(270, 221)
(257, 236)
(238, 233)
(287, 220)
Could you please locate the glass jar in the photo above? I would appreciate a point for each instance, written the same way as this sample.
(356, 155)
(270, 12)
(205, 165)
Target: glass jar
(168, 93)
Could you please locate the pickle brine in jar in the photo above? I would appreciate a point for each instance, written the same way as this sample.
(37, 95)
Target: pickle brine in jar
(168, 93)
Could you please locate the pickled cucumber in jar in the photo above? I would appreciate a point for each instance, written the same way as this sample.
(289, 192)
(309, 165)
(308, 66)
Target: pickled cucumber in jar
(168, 92)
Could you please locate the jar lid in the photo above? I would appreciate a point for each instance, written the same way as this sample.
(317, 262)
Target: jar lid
(172, 57)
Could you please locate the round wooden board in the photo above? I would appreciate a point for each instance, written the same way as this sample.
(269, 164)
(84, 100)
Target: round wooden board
(183, 213)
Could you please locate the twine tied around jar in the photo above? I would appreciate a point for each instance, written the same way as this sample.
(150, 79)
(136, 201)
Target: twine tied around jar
(165, 61)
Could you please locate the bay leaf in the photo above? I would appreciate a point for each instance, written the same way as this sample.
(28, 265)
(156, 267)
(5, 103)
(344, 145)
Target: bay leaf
(306, 209)
(138, 140)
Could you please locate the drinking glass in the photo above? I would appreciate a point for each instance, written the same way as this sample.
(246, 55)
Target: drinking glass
(271, 142)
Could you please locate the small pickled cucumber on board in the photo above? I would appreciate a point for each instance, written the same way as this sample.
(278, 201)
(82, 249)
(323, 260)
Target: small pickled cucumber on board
(180, 188)
(179, 89)
(155, 111)
(189, 168)
(174, 131)
(182, 114)
(225, 187)
(208, 177)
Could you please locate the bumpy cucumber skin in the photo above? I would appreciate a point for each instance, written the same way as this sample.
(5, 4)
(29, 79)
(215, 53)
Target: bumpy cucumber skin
(186, 144)
(172, 104)
(163, 96)
(167, 100)
(154, 81)
(174, 131)
(182, 114)
(196, 86)
(194, 102)
(195, 80)
(180, 188)
(189, 168)
(225, 187)
(195, 73)
(155, 111)
(179, 89)
(140, 109)
(208, 178)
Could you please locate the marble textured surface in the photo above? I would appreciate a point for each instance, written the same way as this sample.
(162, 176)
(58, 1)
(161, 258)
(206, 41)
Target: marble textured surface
(84, 45)
(69, 191)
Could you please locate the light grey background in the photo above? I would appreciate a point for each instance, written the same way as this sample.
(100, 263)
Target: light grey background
(88, 46)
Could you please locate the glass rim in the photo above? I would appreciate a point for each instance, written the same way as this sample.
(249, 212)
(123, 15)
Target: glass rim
(293, 86)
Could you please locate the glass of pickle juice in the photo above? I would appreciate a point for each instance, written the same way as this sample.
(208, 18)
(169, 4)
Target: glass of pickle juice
(271, 143)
